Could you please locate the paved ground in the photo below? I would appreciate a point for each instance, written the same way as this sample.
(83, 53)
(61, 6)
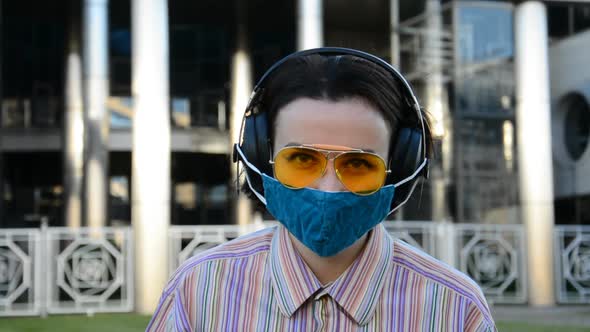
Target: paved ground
(561, 315)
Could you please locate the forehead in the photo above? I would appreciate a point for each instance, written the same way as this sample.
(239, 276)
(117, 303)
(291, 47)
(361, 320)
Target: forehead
(351, 122)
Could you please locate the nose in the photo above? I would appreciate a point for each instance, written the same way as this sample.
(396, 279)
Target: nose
(329, 181)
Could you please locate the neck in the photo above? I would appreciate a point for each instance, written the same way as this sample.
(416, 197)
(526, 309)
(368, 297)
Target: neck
(328, 269)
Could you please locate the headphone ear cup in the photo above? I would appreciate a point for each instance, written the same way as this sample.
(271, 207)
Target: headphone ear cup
(406, 156)
(255, 146)
(263, 143)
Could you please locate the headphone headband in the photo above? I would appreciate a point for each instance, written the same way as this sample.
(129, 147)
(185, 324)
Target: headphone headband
(343, 51)
(334, 51)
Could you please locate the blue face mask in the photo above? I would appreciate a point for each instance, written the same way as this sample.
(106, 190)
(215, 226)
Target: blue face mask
(325, 222)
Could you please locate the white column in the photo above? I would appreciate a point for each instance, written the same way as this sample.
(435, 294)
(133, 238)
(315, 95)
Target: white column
(436, 100)
(310, 30)
(97, 117)
(394, 34)
(534, 150)
(151, 150)
(1, 145)
(446, 248)
(395, 54)
(436, 103)
(241, 88)
(73, 152)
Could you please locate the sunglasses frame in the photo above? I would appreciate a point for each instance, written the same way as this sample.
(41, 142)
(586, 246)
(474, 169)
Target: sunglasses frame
(331, 152)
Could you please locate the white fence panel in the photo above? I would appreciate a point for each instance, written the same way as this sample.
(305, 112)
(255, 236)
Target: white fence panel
(572, 264)
(419, 234)
(20, 275)
(494, 256)
(187, 241)
(89, 270)
(62, 270)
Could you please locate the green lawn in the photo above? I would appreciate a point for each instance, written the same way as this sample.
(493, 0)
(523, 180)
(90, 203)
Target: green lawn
(76, 323)
(136, 323)
(526, 327)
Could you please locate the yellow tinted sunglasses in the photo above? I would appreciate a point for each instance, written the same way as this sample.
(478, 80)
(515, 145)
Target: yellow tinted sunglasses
(361, 172)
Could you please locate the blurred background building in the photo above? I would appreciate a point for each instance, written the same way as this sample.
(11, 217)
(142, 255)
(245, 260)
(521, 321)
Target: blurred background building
(469, 55)
(74, 74)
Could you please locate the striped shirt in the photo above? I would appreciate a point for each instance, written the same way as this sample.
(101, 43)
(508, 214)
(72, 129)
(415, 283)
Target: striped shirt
(260, 283)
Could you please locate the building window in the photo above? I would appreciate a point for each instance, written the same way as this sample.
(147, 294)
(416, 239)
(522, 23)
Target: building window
(577, 125)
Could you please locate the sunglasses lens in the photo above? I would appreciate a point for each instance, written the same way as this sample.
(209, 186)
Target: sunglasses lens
(298, 167)
(361, 173)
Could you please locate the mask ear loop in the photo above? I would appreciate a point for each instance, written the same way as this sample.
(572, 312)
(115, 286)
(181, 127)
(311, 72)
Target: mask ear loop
(409, 178)
(240, 139)
(252, 102)
(255, 169)
(405, 200)
(413, 175)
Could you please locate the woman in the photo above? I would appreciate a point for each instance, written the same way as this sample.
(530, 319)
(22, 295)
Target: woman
(333, 142)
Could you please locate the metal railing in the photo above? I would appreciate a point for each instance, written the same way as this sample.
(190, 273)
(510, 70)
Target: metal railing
(419, 234)
(572, 264)
(187, 241)
(20, 272)
(89, 270)
(493, 255)
(61, 270)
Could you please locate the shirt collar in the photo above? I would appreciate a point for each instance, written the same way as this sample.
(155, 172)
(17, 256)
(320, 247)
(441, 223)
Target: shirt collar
(357, 290)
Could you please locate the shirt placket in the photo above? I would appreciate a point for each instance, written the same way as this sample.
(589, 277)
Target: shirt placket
(321, 310)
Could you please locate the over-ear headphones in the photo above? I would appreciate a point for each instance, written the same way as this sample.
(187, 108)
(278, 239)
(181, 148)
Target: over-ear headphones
(408, 145)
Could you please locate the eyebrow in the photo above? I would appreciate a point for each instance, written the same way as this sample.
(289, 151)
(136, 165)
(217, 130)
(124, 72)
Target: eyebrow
(301, 144)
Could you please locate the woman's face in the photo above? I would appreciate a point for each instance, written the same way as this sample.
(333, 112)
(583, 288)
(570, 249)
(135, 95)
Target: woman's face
(351, 123)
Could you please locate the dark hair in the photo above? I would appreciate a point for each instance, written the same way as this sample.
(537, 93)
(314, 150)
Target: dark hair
(336, 78)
